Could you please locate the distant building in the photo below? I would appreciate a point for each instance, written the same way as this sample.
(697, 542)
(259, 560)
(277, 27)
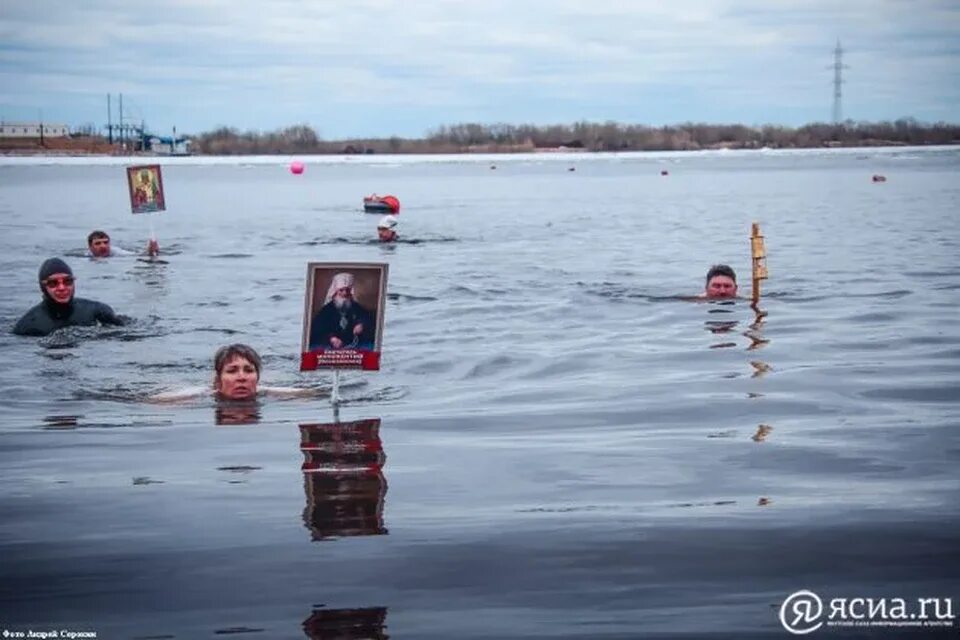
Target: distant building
(168, 146)
(32, 130)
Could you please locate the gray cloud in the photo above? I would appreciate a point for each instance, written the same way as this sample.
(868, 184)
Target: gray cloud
(264, 65)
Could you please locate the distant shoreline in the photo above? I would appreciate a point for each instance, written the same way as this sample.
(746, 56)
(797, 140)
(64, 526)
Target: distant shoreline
(546, 152)
(472, 138)
(659, 159)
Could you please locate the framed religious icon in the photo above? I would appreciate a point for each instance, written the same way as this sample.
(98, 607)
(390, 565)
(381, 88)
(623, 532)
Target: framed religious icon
(343, 315)
(146, 188)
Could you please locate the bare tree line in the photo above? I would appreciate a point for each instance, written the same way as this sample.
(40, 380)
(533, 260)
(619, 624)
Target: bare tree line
(587, 136)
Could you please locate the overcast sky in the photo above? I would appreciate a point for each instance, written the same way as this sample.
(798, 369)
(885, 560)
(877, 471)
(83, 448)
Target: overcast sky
(402, 67)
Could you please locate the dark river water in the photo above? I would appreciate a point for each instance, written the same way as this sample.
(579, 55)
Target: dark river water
(557, 444)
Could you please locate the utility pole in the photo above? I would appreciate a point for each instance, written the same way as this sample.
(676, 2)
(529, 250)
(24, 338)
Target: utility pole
(109, 120)
(122, 146)
(838, 68)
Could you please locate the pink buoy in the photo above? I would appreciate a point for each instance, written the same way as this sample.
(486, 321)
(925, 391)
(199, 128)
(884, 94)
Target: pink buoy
(296, 168)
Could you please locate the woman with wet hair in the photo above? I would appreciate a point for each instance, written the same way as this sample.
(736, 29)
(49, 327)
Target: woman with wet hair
(236, 378)
(236, 372)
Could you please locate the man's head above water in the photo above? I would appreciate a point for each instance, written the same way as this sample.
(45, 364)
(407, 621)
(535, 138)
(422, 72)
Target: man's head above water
(387, 228)
(99, 244)
(721, 282)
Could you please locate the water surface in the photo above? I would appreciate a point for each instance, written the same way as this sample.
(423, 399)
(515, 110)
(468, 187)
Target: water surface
(571, 450)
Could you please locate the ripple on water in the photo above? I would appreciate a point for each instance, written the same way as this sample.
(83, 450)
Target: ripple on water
(172, 366)
(71, 337)
(427, 367)
(223, 330)
(872, 318)
(935, 394)
(495, 365)
(947, 354)
(932, 274)
(404, 297)
(384, 394)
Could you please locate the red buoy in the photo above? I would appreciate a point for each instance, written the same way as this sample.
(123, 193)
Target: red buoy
(381, 204)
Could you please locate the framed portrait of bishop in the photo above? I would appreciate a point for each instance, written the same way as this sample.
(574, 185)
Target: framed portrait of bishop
(343, 315)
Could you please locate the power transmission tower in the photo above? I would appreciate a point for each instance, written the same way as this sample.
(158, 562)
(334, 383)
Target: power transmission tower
(838, 68)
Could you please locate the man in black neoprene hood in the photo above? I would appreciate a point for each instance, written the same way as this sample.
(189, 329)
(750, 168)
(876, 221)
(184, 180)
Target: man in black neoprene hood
(59, 308)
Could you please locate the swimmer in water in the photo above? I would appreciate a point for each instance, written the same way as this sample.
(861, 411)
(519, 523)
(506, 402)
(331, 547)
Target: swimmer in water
(237, 372)
(387, 229)
(236, 378)
(721, 283)
(59, 307)
(98, 246)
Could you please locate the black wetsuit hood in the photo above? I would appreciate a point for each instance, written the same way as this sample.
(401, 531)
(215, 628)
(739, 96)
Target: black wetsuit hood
(46, 317)
(48, 268)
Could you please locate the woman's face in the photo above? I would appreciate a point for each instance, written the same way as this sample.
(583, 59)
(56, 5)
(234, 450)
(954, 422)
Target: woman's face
(238, 380)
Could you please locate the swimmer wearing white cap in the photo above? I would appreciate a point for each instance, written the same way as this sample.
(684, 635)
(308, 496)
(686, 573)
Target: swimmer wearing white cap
(386, 228)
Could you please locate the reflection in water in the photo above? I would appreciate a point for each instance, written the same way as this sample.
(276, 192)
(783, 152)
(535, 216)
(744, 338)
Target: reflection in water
(343, 478)
(720, 327)
(152, 274)
(347, 624)
(760, 368)
(757, 341)
(60, 422)
(763, 431)
(755, 332)
(723, 345)
(237, 413)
